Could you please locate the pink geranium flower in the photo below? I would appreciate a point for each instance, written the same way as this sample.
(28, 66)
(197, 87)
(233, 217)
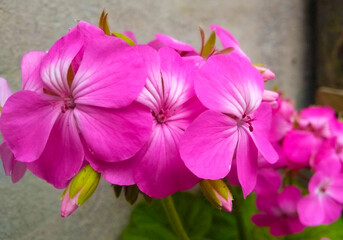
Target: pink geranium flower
(12, 167)
(315, 125)
(279, 211)
(157, 168)
(231, 88)
(324, 203)
(76, 101)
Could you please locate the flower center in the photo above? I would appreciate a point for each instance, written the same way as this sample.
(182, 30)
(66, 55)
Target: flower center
(246, 120)
(68, 103)
(161, 116)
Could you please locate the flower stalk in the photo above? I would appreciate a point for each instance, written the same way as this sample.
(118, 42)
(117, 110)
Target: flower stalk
(173, 218)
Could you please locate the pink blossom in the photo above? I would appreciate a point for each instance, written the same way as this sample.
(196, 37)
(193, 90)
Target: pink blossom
(75, 103)
(267, 74)
(231, 88)
(315, 125)
(12, 167)
(279, 211)
(323, 205)
(157, 168)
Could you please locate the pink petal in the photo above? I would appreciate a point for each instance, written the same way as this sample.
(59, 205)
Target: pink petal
(268, 202)
(228, 40)
(120, 173)
(131, 35)
(289, 199)
(229, 84)
(208, 145)
(30, 71)
(12, 167)
(5, 91)
(335, 189)
(18, 171)
(55, 64)
(268, 179)
(113, 135)
(173, 43)
(333, 210)
(246, 157)
(7, 158)
(177, 78)
(119, 69)
(260, 131)
(311, 211)
(263, 219)
(160, 171)
(63, 154)
(20, 115)
(299, 146)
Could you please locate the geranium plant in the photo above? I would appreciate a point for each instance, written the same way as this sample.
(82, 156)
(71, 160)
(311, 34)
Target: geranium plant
(159, 118)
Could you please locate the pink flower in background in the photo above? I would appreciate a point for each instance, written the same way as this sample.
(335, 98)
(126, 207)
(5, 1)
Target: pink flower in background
(323, 205)
(279, 211)
(76, 102)
(231, 88)
(157, 168)
(315, 124)
(12, 167)
(268, 180)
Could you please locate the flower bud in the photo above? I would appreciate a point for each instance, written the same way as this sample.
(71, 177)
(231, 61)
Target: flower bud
(267, 74)
(271, 97)
(217, 193)
(79, 190)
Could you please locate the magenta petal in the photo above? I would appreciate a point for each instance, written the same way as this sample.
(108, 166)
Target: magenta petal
(332, 209)
(259, 134)
(20, 115)
(336, 188)
(7, 158)
(118, 69)
(113, 135)
(228, 40)
(229, 84)
(208, 145)
(299, 146)
(160, 171)
(120, 173)
(268, 180)
(63, 155)
(263, 219)
(55, 64)
(18, 171)
(173, 43)
(5, 92)
(246, 157)
(289, 198)
(311, 211)
(131, 35)
(30, 71)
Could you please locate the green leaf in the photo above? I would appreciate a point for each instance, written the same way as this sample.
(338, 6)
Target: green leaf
(150, 221)
(209, 45)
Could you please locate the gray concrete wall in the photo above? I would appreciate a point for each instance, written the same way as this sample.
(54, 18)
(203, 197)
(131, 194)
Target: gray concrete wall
(273, 32)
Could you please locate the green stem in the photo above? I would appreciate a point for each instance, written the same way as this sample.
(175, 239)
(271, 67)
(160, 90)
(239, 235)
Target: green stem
(174, 218)
(238, 200)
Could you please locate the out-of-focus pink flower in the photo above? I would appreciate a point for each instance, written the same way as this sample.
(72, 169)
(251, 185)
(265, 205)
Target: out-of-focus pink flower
(279, 211)
(231, 88)
(157, 168)
(324, 203)
(282, 120)
(75, 102)
(268, 180)
(12, 167)
(315, 125)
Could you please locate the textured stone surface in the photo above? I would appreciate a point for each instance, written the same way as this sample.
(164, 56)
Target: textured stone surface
(270, 32)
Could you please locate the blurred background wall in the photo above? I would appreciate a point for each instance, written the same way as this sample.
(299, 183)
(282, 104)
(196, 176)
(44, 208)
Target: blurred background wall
(276, 33)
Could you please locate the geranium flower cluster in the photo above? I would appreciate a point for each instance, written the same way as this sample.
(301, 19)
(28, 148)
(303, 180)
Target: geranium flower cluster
(305, 186)
(165, 117)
